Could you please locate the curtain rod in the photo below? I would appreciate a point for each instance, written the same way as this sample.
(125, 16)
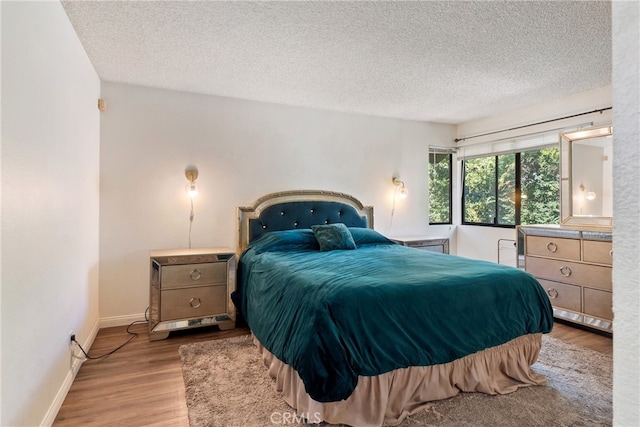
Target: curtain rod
(600, 110)
(521, 135)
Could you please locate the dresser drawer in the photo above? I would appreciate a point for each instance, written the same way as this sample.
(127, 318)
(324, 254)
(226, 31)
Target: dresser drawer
(563, 295)
(598, 252)
(193, 302)
(595, 276)
(553, 247)
(179, 276)
(598, 303)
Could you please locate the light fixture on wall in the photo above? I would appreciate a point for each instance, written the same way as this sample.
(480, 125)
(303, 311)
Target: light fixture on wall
(401, 190)
(589, 133)
(192, 187)
(589, 195)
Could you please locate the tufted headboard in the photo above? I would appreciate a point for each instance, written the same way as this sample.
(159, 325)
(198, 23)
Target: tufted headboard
(300, 209)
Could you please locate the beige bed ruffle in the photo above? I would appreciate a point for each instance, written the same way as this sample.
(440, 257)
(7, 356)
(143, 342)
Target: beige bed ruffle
(388, 398)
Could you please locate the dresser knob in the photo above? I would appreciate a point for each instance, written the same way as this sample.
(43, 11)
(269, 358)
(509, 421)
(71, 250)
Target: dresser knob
(611, 253)
(552, 247)
(565, 271)
(195, 274)
(553, 293)
(195, 302)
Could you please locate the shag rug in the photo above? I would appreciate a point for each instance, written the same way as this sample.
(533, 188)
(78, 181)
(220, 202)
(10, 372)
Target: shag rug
(227, 385)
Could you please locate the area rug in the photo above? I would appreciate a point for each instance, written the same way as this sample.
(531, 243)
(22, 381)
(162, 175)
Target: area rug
(227, 385)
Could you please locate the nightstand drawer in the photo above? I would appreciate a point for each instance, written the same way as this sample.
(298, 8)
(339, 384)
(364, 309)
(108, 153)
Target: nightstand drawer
(180, 276)
(563, 295)
(193, 302)
(553, 247)
(434, 244)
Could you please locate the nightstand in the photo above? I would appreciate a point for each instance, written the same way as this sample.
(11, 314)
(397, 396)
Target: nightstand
(190, 288)
(435, 244)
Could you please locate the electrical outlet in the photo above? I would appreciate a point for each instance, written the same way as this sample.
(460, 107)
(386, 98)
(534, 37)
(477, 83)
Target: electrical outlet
(74, 358)
(72, 352)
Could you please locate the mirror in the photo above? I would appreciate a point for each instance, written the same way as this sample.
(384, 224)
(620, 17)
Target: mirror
(586, 180)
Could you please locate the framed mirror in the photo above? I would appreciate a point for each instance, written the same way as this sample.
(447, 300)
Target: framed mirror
(586, 180)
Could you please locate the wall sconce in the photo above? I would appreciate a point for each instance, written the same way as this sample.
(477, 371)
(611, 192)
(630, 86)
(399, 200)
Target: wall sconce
(192, 187)
(589, 195)
(401, 191)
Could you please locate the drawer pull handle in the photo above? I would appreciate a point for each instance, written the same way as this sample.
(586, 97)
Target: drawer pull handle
(195, 274)
(195, 302)
(553, 293)
(552, 247)
(565, 271)
(611, 253)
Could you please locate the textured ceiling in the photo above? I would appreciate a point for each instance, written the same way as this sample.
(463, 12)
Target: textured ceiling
(446, 62)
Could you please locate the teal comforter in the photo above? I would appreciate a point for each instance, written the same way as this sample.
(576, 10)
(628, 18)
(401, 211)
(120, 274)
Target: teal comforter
(336, 315)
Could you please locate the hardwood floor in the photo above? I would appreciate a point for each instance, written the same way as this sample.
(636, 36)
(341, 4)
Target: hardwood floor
(597, 341)
(141, 384)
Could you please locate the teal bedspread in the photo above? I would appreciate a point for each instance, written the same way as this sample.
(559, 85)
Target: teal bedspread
(336, 315)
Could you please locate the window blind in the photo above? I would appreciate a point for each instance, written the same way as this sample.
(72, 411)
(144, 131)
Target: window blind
(442, 150)
(511, 145)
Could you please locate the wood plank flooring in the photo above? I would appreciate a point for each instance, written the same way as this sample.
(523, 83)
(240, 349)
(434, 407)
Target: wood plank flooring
(141, 384)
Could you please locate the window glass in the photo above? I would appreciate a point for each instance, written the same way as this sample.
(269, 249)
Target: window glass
(506, 189)
(479, 190)
(540, 187)
(492, 185)
(440, 188)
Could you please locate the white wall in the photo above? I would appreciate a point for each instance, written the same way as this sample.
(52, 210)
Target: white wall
(626, 212)
(243, 150)
(482, 242)
(50, 149)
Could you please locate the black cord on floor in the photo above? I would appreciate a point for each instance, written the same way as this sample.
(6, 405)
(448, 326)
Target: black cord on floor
(133, 336)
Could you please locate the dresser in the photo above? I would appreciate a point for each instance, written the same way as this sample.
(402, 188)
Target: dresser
(574, 267)
(191, 288)
(435, 244)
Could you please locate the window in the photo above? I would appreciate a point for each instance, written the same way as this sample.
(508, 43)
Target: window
(440, 174)
(540, 181)
(511, 189)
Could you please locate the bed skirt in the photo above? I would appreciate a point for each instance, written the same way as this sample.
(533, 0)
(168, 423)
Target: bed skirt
(388, 398)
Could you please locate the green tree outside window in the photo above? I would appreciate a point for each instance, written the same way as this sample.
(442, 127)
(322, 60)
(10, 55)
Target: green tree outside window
(512, 189)
(440, 174)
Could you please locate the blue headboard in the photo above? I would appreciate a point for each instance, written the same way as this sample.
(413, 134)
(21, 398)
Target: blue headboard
(300, 209)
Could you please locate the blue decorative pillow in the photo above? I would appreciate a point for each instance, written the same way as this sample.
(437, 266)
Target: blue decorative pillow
(365, 236)
(287, 240)
(333, 236)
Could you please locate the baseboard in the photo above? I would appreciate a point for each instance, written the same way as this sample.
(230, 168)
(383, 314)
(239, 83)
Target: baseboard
(75, 363)
(108, 322)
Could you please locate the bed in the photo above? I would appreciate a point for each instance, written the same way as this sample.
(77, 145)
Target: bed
(359, 330)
